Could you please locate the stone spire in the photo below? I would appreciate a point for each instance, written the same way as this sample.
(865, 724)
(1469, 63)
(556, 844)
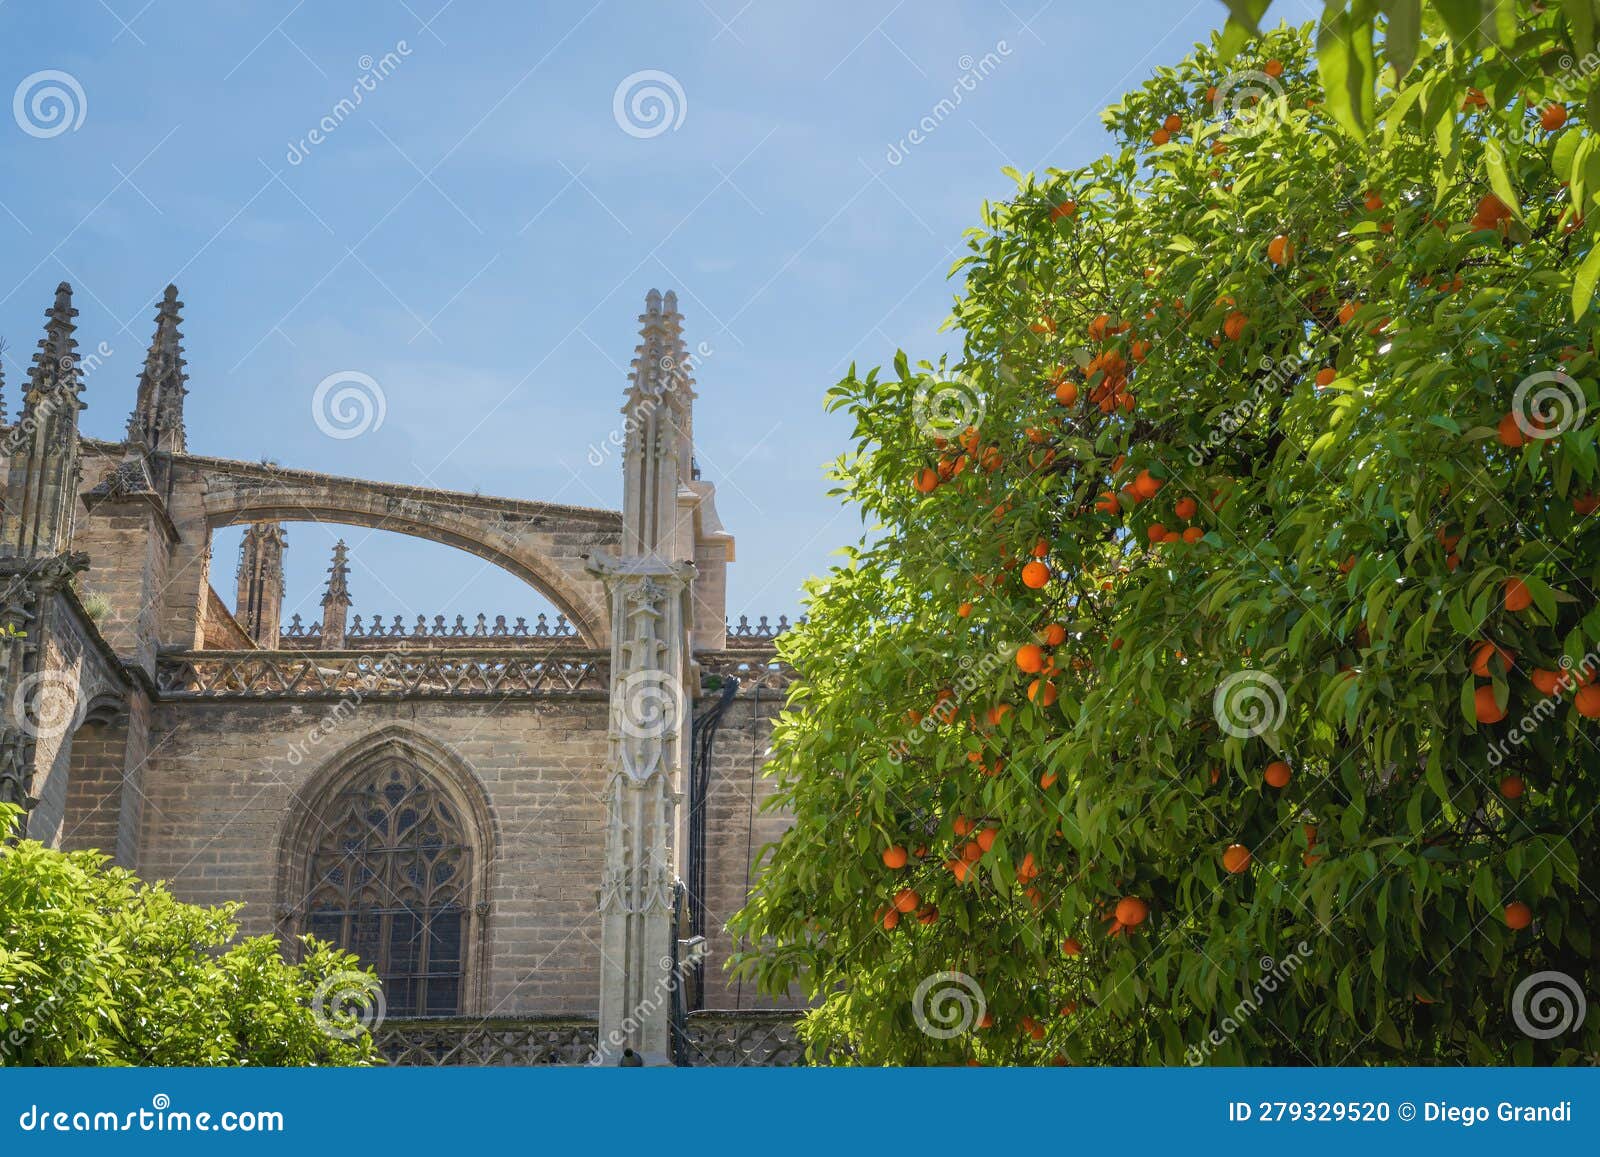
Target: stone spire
(336, 599)
(656, 417)
(681, 382)
(157, 418)
(649, 584)
(260, 602)
(43, 474)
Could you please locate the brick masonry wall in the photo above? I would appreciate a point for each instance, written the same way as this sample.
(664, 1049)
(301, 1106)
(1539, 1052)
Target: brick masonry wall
(94, 787)
(68, 659)
(736, 832)
(217, 787)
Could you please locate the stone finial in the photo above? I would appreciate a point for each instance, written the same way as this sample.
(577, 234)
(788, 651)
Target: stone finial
(336, 598)
(157, 418)
(38, 516)
(259, 607)
(55, 364)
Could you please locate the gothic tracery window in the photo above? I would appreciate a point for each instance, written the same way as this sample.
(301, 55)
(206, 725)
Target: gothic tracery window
(388, 879)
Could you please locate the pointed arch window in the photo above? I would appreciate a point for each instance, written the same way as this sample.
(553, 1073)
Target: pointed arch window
(389, 878)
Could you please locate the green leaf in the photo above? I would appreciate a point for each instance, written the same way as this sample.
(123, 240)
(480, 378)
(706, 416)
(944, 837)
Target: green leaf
(1402, 34)
(1580, 22)
(1494, 160)
(1583, 283)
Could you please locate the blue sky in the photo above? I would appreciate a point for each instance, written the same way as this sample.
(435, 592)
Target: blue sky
(477, 236)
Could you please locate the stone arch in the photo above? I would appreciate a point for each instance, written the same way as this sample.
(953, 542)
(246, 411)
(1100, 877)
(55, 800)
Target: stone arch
(449, 783)
(545, 544)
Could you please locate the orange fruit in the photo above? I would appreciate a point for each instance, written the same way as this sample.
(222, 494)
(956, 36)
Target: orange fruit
(986, 838)
(1548, 682)
(1485, 707)
(928, 915)
(894, 857)
(1518, 597)
(1484, 653)
(1586, 505)
(1063, 209)
(1326, 376)
(1510, 432)
(1346, 312)
(1233, 325)
(1185, 508)
(906, 900)
(1035, 575)
(1131, 911)
(996, 713)
(1030, 657)
(1027, 870)
(1280, 250)
(1277, 774)
(1490, 212)
(964, 610)
(1193, 535)
(1273, 67)
(891, 920)
(1067, 393)
(1587, 701)
(1146, 485)
(1054, 635)
(1236, 858)
(927, 480)
(1047, 780)
(1373, 202)
(1107, 503)
(1156, 533)
(1160, 137)
(962, 825)
(1512, 787)
(1044, 693)
(1552, 117)
(1173, 123)
(1518, 915)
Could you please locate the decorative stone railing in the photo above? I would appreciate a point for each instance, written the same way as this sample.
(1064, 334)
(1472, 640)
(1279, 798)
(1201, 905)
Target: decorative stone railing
(363, 634)
(752, 666)
(501, 1041)
(400, 673)
(741, 1039)
(743, 633)
(757, 1039)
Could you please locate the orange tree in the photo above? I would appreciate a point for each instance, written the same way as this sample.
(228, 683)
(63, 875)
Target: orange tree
(1215, 682)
